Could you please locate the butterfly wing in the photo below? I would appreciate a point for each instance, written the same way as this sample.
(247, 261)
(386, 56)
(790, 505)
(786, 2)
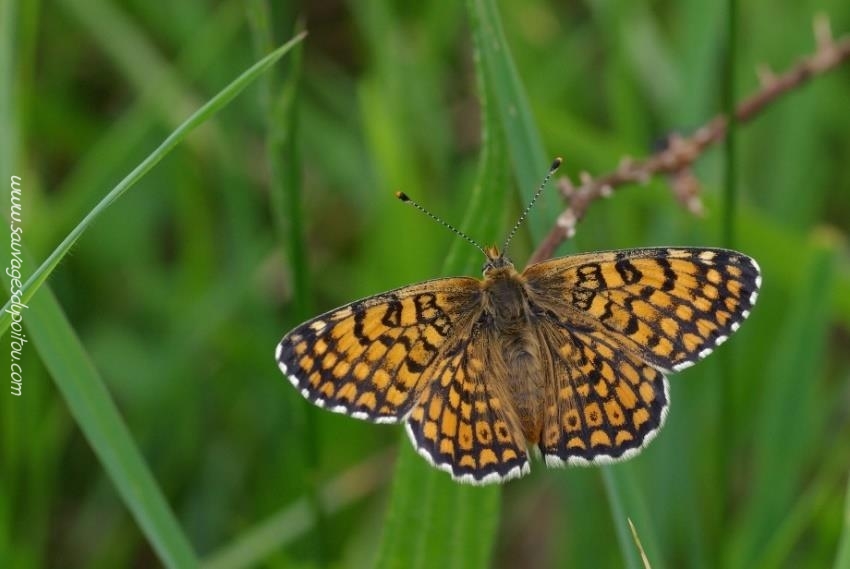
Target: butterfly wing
(602, 402)
(367, 359)
(673, 305)
(612, 324)
(463, 422)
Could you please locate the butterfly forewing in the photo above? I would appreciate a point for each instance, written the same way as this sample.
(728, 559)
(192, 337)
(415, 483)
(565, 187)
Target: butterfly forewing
(367, 358)
(673, 305)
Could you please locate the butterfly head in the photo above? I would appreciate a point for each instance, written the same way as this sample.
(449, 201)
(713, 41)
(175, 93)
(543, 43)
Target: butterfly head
(495, 261)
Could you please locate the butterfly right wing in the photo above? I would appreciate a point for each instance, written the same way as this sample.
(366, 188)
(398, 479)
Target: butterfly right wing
(613, 324)
(367, 359)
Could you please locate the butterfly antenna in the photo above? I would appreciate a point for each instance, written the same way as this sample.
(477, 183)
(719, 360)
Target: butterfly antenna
(552, 169)
(404, 197)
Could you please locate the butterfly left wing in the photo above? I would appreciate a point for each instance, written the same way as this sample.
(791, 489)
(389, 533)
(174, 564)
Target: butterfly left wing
(367, 359)
(464, 421)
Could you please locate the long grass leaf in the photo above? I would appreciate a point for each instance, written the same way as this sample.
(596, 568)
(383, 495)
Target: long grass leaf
(726, 385)
(8, 94)
(432, 520)
(842, 559)
(281, 100)
(644, 559)
(810, 503)
(620, 517)
(199, 117)
(799, 344)
(525, 146)
(529, 160)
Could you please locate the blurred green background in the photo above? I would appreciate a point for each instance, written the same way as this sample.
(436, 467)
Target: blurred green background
(281, 207)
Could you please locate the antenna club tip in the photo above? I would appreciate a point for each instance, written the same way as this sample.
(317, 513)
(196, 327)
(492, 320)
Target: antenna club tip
(402, 196)
(556, 164)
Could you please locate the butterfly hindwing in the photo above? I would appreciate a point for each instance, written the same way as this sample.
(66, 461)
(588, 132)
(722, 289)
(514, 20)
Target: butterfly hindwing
(367, 359)
(464, 422)
(602, 403)
(675, 305)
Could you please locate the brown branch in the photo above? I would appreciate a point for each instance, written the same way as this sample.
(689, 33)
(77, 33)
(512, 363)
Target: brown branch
(681, 152)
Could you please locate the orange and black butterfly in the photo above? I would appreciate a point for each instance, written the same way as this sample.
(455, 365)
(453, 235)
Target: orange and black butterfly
(569, 355)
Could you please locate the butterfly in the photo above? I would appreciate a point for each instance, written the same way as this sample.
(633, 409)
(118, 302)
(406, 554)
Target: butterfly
(569, 357)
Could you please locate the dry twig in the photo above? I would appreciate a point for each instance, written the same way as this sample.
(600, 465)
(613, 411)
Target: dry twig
(677, 158)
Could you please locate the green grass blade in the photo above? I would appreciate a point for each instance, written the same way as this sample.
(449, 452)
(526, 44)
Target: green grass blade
(92, 407)
(618, 513)
(730, 182)
(433, 521)
(283, 155)
(842, 559)
(8, 100)
(643, 557)
(529, 163)
(728, 381)
(800, 344)
(199, 117)
(810, 504)
(528, 155)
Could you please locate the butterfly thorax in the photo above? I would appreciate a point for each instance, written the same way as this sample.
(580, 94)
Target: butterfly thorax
(507, 309)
